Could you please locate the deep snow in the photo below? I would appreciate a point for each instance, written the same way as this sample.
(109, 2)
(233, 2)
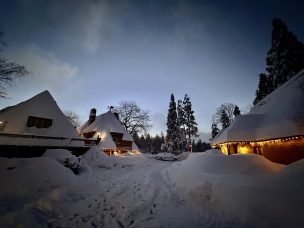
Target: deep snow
(201, 190)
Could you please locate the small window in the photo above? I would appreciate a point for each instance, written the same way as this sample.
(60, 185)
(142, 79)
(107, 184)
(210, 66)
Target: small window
(39, 122)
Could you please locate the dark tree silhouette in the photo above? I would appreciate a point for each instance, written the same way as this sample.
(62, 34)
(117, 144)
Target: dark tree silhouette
(73, 118)
(172, 131)
(284, 59)
(214, 130)
(236, 111)
(132, 117)
(9, 71)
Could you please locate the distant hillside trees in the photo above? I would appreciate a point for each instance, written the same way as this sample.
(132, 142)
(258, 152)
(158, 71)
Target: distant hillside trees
(148, 144)
(200, 146)
(284, 59)
(132, 117)
(9, 71)
(181, 124)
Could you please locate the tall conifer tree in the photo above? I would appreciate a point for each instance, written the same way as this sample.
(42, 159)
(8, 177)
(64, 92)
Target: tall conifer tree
(172, 131)
(190, 124)
(284, 59)
(214, 130)
(224, 119)
(181, 125)
(286, 55)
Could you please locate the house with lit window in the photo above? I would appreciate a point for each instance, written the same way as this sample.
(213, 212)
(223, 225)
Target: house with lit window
(113, 137)
(37, 122)
(274, 127)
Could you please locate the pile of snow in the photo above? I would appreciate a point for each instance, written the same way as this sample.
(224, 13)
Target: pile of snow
(168, 157)
(95, 157)
(203, 190)
(34, 190)
(241, 189)
(214, 162)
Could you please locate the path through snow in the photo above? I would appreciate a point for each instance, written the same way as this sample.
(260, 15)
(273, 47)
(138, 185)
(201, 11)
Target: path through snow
(203, 190)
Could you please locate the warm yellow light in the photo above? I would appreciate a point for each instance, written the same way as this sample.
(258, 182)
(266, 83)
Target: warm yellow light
(101, 134)
(243, 150)
(224, 148)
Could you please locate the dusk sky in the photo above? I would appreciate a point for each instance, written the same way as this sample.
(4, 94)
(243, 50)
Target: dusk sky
(98, 53)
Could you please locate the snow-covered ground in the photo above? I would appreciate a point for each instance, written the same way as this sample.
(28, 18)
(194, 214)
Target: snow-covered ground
(199, 190)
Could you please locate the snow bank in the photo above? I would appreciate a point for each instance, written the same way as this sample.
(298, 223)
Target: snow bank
(35, 189)
(212, 162)
(95, 157)
(167, 157)
(241, 189)
(204, 190)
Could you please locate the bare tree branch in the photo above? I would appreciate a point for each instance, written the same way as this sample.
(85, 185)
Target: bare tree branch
(9, 71)
(73, 118)
(132, 117)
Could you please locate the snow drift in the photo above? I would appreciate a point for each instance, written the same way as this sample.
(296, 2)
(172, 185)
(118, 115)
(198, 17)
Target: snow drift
(204, 190)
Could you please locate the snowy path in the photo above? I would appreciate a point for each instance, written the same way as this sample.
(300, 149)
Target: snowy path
(204, 190)
(139, 194)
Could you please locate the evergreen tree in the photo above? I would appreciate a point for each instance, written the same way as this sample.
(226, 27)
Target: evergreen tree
(162, 137)
(172, 131)
(149, 143)
(190, 123)
(199, 146)
(264, 88)
(284, 59)
(214, 130)
(286, 55)
(181, 125)
(236, 111)
(142, 144)
(206, 146)
(224, 119)
(136, 139)
(156, 143)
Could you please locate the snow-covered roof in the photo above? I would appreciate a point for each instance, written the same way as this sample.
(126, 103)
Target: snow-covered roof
(279, 114)
(104, 124)
(243, 126)
(43, 105)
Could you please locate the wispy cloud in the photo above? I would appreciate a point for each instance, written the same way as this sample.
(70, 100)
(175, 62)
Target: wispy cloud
(47, 71)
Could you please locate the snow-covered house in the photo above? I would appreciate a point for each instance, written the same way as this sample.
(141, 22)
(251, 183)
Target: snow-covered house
(37, 122)
(273, 128)
(114, 139)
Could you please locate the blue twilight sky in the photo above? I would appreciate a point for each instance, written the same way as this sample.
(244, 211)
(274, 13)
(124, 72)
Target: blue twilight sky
(97, 53)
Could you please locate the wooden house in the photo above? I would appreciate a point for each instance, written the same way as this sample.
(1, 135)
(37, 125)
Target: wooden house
(273, 128)
(114, 139)
(36, 123)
